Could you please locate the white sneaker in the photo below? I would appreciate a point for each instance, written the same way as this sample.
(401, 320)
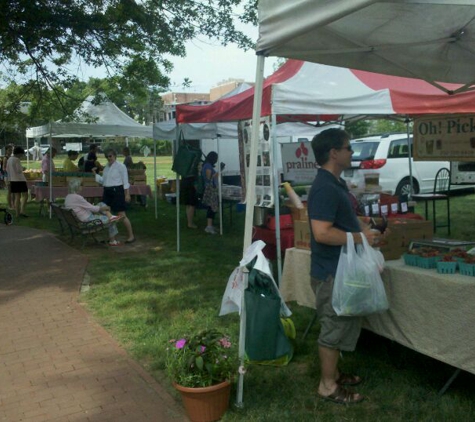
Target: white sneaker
(210, 230)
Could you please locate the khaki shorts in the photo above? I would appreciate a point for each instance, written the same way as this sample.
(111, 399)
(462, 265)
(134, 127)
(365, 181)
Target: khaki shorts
(336, 332)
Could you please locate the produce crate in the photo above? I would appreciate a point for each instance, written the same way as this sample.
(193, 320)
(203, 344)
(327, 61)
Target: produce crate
(410, 259)
(467, 269)
(302, 236)
(444, 267)
(33, 175)
(428, 262)
(136, 172)
(58, 181)
(402, 232)
(299, 214)
(88, 181)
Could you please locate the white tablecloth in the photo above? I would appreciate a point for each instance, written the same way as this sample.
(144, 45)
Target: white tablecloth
(431, 313)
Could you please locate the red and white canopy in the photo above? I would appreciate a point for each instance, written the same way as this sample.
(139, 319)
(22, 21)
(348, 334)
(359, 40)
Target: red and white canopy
(311, 91)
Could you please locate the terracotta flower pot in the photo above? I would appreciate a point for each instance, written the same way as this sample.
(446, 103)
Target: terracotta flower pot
(205, 404)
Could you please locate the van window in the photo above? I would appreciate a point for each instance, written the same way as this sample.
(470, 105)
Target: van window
(398, 149)
(363, 150)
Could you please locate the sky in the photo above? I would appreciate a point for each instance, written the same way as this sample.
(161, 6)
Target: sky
(208, 64)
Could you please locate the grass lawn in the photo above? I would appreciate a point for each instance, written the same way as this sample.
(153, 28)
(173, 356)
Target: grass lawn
(148, 293)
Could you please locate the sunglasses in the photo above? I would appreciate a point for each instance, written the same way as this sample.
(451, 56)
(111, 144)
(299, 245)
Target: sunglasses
(348, 148)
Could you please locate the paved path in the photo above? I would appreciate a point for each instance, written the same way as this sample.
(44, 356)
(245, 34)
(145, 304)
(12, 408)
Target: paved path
(56, 364)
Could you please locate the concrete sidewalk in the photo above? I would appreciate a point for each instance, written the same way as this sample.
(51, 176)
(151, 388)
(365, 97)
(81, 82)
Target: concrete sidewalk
(56, 364)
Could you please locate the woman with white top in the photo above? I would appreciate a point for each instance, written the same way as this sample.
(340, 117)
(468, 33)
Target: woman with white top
(115, 181)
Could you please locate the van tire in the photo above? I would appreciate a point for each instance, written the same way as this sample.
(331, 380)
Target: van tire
(404, 186)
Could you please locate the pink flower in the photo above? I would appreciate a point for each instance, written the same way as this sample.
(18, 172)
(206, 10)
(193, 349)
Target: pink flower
(203, 348)
(180, 343)
(225, 343)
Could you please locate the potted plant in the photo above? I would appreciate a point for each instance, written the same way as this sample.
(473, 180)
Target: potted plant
(201, 368)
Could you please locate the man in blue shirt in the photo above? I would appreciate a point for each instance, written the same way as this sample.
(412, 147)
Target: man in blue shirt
(332, 216)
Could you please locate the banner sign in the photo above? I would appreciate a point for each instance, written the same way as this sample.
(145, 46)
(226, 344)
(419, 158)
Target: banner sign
(445, 138)
(298, 162)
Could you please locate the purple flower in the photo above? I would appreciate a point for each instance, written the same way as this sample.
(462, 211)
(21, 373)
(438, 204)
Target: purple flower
(180, 343)
(203, 348)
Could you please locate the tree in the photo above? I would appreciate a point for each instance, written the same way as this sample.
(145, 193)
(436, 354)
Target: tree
(43, 45)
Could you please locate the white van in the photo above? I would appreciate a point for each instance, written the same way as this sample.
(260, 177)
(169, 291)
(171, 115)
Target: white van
(388, 156)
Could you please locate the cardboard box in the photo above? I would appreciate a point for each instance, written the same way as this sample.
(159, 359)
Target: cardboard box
(58, 181)
(403, 231)
(164, 189)
(302, 234)
(298, 213)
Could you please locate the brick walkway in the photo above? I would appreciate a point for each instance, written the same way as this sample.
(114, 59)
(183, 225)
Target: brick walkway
(55, 363)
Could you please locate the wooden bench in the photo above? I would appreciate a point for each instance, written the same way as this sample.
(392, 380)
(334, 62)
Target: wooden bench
(90, 229)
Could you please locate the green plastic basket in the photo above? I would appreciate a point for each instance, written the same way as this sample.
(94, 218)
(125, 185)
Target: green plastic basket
(410, 259)
(446, 267)
(428, 262)
(467, 269)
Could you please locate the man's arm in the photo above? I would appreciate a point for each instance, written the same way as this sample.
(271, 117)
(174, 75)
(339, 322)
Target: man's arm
(325, 232)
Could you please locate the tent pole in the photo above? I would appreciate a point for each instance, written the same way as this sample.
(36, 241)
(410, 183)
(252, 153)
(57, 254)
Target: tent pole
(251, 182)
(276, 184)
(250, 201)
(175, 149)
(50, 140)
(155, 175)
(27, 154)
(409, 154)
(220, 193)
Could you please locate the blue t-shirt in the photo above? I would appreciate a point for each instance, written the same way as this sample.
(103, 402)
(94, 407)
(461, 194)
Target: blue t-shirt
(329, 200)
(208, 166)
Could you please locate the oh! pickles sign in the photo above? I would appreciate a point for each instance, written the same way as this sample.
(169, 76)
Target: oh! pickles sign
(445, 138)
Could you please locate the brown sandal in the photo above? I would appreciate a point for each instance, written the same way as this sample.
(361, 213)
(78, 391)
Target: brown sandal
(343, 396)
(348, 379)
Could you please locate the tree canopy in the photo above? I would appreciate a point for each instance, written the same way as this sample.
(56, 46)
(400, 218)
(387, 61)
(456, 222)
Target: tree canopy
(45, 44)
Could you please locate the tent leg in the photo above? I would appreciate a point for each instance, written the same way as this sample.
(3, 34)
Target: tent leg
(242, 344)
(251, 182)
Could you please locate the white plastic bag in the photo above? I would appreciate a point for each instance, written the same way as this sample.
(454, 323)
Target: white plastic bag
(358, 289)
(232, 297)
(371, 254)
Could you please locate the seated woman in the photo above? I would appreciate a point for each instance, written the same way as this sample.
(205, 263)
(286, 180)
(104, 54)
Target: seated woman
(85, 211)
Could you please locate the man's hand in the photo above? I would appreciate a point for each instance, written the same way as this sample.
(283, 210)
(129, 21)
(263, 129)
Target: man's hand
(127, 197)
(373, 236)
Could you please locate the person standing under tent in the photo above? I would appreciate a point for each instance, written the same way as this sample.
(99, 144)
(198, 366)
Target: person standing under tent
(331, 217)
(45, 162)
(68, 164)
(35, 151)
(18, 186)
(82, 161)
(129, 163)
(8, 154)
(210, 195)
(116, 191)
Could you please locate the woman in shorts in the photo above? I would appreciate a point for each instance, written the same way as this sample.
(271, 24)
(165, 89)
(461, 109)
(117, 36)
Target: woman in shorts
(115, 181)
(17, 180)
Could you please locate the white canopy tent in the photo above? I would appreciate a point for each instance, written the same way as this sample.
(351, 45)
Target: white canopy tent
(428, 39)
(109, 121)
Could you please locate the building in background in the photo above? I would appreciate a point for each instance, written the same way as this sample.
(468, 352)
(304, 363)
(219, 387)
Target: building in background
(171, 99)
